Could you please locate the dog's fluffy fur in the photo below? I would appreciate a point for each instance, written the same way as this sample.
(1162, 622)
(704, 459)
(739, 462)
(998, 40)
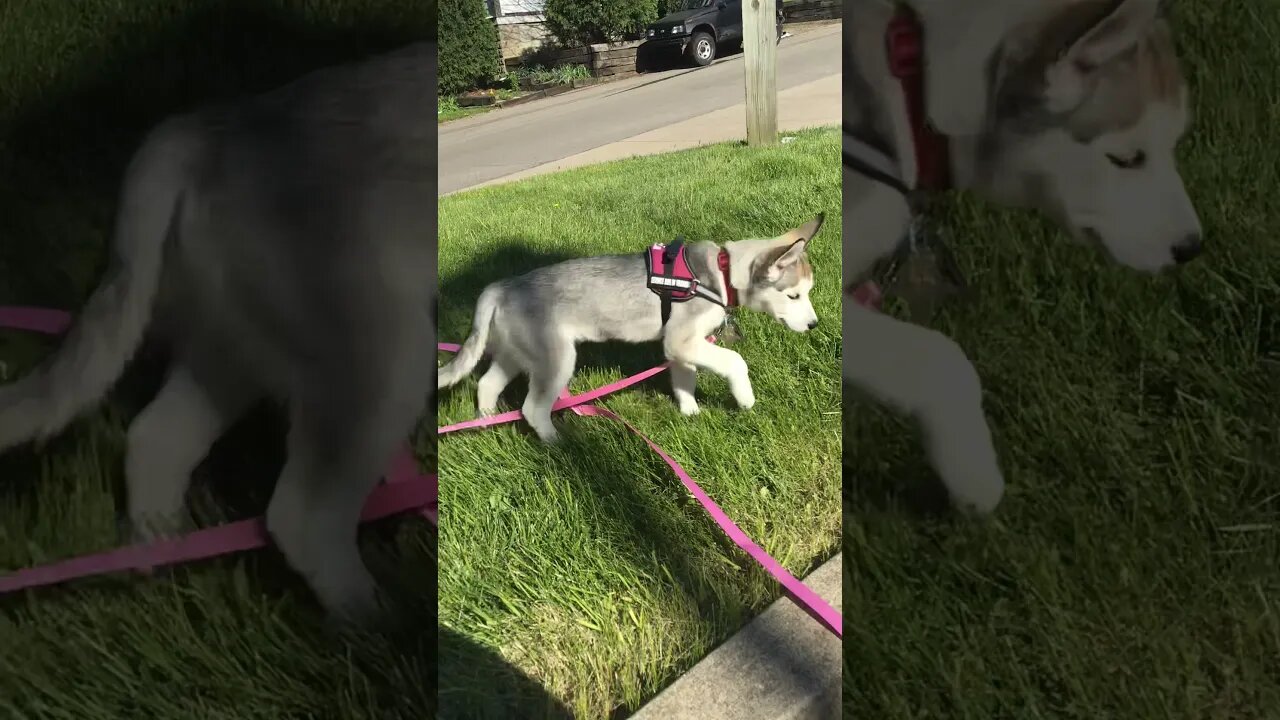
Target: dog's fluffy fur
(532, 323)
(285, 246)
(1072, 107)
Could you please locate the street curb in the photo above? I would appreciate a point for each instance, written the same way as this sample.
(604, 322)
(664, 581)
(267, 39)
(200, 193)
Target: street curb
(782, 666)
(538, 95)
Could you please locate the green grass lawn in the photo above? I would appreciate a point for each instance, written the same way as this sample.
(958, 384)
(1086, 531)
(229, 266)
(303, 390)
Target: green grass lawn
(233, 638)
(1133, 570)
(587, 566)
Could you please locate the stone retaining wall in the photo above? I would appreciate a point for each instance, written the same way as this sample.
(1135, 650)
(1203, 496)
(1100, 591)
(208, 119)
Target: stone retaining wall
(602, 60)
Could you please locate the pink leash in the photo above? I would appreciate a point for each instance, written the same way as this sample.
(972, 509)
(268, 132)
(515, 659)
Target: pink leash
(396, 496)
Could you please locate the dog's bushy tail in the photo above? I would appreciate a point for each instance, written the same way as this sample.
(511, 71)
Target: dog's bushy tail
(112, 323)
(473, 348)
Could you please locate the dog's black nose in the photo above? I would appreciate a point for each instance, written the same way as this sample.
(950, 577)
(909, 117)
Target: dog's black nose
(813, 324)
(1187, 250)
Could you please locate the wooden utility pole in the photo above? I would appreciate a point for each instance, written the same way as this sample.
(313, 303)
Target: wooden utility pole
(760, 51)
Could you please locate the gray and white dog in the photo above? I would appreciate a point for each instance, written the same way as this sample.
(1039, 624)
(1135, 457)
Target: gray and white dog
(1072, 107)
(284, 247)
(532, 323)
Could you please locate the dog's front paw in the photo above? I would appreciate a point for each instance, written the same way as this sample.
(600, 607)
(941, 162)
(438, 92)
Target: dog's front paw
(133, 532)
(969, 470)
(689, 407)
(148, 528)
(360, 607)
(747, 403)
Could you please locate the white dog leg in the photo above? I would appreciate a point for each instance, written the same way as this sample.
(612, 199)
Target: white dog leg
(926, 374)
(344, 430)
(725, 363)
(684, 379)
(313, 517)
(167, 441)
(500, 373)
(545, 383)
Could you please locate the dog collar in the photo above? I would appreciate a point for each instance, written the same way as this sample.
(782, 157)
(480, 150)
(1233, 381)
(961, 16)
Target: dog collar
(730, 294)
(905, 45)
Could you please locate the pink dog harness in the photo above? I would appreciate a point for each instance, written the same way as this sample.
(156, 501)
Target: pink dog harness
(673, 280)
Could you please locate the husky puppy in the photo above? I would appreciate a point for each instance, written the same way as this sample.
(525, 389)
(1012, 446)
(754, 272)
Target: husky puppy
(284, 247)
(1071, 107)
(532, 323)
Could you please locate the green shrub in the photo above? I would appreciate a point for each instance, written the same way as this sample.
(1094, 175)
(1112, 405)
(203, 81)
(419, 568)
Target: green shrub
(582, 22)
(469, 54)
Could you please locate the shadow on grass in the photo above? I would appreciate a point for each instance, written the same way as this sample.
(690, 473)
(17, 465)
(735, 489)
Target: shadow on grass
(64, 149)
(909, 484)
(477, 684)
(63, 152)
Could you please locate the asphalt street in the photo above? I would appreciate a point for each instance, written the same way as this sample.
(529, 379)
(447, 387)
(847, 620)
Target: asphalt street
(498, 143)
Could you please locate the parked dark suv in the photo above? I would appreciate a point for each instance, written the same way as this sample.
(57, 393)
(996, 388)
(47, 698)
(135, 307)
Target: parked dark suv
(699, 28)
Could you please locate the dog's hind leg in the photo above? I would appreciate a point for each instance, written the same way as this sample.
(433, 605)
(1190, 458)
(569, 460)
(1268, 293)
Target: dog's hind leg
(345, 428)
(546, 380)
(926, 374)
(502, 369)
(171, 436)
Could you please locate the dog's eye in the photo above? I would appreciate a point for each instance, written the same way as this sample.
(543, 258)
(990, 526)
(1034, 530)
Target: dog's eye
(794, 297)
(1128, 163)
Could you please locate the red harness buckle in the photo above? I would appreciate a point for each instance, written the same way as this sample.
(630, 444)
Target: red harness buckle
(905, 47)
(905, 50)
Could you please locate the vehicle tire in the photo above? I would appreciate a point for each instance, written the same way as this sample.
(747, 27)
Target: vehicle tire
(701, 49)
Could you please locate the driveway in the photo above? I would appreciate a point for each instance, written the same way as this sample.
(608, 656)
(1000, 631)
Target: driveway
(503, 142)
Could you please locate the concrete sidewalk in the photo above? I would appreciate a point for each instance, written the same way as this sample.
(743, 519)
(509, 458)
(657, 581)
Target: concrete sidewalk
(782, 666)
(809, 105)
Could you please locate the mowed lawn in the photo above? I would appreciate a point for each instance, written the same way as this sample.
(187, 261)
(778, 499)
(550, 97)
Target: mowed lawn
(588, 566)
(1133, 570)
(231, 638)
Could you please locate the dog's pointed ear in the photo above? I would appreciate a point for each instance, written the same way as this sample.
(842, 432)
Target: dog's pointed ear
(1114, 34)
(1111, 35)
(789, 257)
(805, 232)
(792, 255)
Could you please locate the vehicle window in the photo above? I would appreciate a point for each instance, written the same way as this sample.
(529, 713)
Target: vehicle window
(695, 4)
